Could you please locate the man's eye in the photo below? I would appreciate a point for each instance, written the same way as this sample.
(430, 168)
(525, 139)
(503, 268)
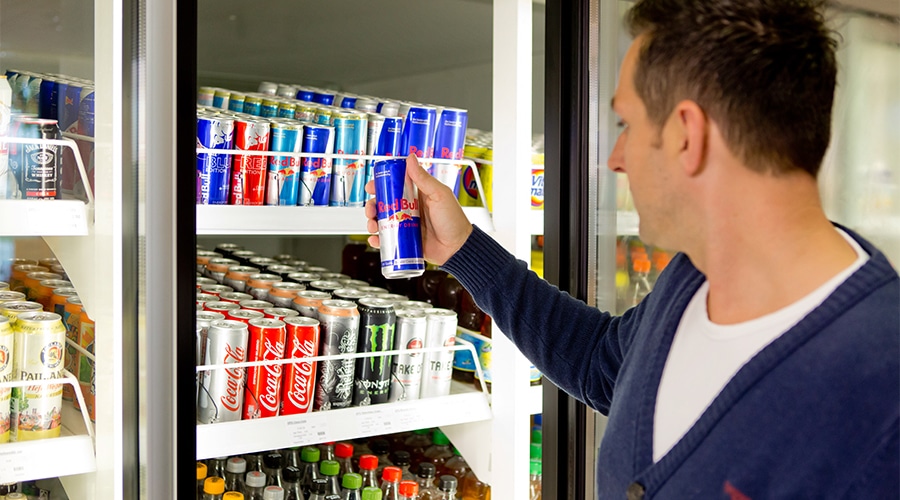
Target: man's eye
(621, 124)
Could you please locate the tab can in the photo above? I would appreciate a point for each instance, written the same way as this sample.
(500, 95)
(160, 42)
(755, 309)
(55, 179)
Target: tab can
(398, 221)
(39, 354)
(316, 173)
(377, 321)
(283, 181)
(440, 331)
(406, 370)
(262, 397)
(253, 105)
(339, 333)
(308, 302)
(214, 169)
(244, 315)
(300, 377)
(324, 97)
(283, 294)
(279, 313)
(6, 375)
(348, 177)
(222, 393)
(449, 143)
(248, 182)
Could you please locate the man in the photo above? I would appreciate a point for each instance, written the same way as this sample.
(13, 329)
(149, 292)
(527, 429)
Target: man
(765, 362)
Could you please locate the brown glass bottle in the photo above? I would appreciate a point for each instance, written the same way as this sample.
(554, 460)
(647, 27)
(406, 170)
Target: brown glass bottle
(351, 256)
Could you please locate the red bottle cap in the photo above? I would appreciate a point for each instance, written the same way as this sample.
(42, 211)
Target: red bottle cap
(391, 474)
(409, 488)
(368, 462)
(343, 450)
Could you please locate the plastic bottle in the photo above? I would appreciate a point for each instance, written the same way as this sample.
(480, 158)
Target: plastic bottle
(309, 467)
(400, 459)
(535, 480)
(368, 465)
(409, 490)
(390, 483)
(425, 480)
(381, 448)
(428, 285)
(448, 293)
(326, 451)
(641, 283)
(456, 466)
(292, 490)
(235, 469)
(330, 471)
(318, 490)
(233, 495)
(273, 462)
(398, 441)
(213, 488)
(371, 493)
(254, 484)
(343, 453)
(416, 446)
(535, 452)
(447, 487)
(273, 492)
(201, 477)
(473, 488)
(351, 484)
(439, 451)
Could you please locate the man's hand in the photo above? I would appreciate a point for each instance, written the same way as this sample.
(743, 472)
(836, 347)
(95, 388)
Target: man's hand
(444, 225)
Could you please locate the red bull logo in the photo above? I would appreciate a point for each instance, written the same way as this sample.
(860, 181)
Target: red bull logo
(403, 206)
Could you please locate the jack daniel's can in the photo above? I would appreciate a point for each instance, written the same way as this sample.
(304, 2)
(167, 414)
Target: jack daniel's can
(373, 375)
(40, 163)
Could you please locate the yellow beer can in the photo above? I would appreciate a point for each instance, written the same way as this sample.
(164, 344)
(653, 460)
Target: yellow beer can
(39, 354)
(6, 375)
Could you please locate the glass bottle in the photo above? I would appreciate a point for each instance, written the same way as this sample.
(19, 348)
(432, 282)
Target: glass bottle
(447, 487)
(456, 466)
(318, 490)
(427, 489)
(381, 448)
(448, 293)
(368, 465)
(291, 457)
(390, 483)
(309, 467)
(416, 444)
(535, 480)
(330, 471)
(291, 476)
(201, 477)
(235, 469)
(273, 462)
(216, 467)
(254, 484)
(326, 451)
(439, 451)
(213, 488)
(473, 488)
(401, 459)
(351, 484)
(343, 452)
(254, 462)
(273, 492)
(409, 490)
(371, 493)
(429, 283)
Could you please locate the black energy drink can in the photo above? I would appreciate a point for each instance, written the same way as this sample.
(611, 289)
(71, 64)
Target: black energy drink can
(339, 332)
(377, 321)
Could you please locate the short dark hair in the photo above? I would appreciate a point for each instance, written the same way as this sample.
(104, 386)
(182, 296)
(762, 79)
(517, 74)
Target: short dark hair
(764, 70)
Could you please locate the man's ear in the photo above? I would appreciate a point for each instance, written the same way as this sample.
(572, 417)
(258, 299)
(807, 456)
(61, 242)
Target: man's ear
(691, 128)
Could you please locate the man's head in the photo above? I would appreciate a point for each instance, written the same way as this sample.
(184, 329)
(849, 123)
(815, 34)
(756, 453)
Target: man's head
(763, 70)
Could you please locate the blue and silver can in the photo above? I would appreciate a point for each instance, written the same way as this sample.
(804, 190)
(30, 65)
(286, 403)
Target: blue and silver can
(305, 94)
(252, 105)
(398, 221)
(324, 97)
(283, 183)
(269, 108)
(418, 132)
(449, 143)
(287, 109)
(236, 102)
(383, 139)
(345, 101)
(366, 105)
(323, 115)
(348, 179)
(214, 169)
(315, 173)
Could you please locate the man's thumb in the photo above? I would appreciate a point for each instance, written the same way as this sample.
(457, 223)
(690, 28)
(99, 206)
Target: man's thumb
(426, 184)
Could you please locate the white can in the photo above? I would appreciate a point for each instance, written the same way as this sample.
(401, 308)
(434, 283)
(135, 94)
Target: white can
(440, 331)
(406, 369)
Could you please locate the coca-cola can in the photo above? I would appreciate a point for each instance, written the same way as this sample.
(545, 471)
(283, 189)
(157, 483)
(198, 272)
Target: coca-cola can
(216, 290)
(204, 281)
(237, 277)
(220, 306)
(406, 369)
(222, 392)
(308, 301)
(204, 318)
(235, 297)
(244, 315)
(255, 305)
(440, 331)
(339, 324)
(283, 294)
(299, 378)
(262, 397)
(280, 313)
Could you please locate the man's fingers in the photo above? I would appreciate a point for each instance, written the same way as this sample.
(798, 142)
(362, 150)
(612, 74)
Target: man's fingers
(374, 241)
(370, 187)
(372, 226)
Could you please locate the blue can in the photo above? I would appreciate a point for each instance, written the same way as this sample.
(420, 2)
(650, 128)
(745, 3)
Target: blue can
(305, 94)
(348, 179)
(418, 132)
(67, 107)
(383, 139)
(346, 101)
(449, 143)
(236, 102)
(221, 99)
(315, 173)
(213, 169)
(398, 221)
(324, 97)
(46, 106)
(253, 105)
(57, 97)
(283, 182)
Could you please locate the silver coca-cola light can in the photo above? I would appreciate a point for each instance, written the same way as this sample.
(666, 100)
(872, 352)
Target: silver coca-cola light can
(222, 390)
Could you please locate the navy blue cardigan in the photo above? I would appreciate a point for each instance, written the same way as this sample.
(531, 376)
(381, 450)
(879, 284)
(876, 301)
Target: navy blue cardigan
(815, 414)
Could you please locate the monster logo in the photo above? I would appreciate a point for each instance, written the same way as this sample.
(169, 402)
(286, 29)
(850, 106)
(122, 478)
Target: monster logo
(387, 340)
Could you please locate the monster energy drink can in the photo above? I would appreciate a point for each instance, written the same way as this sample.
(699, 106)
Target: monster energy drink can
(339, 332)
(376, 334)
(406, 370)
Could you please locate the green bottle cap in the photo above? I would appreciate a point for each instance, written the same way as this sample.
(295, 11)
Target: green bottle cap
(439, 438)
(330, 468)
(309, 454)
(537, 437)
(371, 493)
(535, 468)
(535, 452)
(422, 431)
(351, 481)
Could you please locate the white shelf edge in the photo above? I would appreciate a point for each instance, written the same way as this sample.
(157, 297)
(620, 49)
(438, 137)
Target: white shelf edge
(536, 222)
(62, 456)
(44, 218)
(535, 399)
(246, 436)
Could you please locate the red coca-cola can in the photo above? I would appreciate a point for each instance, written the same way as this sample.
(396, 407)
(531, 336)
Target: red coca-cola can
(244, 315)
(280, 313)
(248, 183)
(221, 395)
(300, 378)
(262, 397)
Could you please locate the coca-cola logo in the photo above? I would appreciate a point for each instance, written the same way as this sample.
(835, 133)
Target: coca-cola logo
(269, 398)
(302, 378)
(229, 400)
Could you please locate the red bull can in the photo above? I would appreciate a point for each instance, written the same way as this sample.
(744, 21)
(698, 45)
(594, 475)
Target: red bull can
(205, 96)
(236, 102)
(347, 101)
(286, 90)
(323, 115)
(305, 112)
(268, 88)
(449, 143)
(221, 98)
(418, 132)
(384, 139)
(305, 94)
(248, 181)
(349, 175)
(287, 109)
(366, 105)
(398, 221)
(315, 173)
(324, 97)
(389, 108)
(284, 173)
(214, 170)
(269, 108)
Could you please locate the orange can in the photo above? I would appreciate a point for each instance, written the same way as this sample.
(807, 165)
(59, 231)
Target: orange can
(86, 365)
(44, 294)
(33, 280)
(19, 271)
(71, 315)
(48, 262)
(59, 298)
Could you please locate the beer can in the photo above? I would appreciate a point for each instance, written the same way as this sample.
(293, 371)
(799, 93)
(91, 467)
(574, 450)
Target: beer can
(4, 286)
(399, 229)
(253, 105)
(279, 313)
(283, 294)
(248, 180)
(325, 286)
(255, 305)
(324, 97)
(440, 331)
(13, 309)
(236, 102)
(300, 377)
(377, 321)
(348, 175)
(258, 285)
(39, 355)
(262, 396)
(217, 268)
(10, 296)
(19, 272)
(286, 90)
(7, 374)
(414, 304)
(221, 98)
(304, 94)
(220, 306)
(32, 283)
(316, 173)
(351, 294)
(237, 276)
(308, 302)
(281, 270)
(235, 297)
(244, 315)
(366, 105)
(449, 143)
(305, 112)
(418, 132)
(45, 288)
(406, 369)
(283, 182)
(339, 331)
(222, 391)
(269, 108)
(40, 164)
(304, 278)
(216, 290)
(214, 169)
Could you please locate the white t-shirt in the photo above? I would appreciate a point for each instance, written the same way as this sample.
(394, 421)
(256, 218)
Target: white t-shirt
(705, 356)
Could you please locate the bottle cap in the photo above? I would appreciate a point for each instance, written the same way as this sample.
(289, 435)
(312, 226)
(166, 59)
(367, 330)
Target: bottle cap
(319, 486)
(201, 471)
(427, 469)
(380, 446)
(214, 485)
(236, 465)
(537, 437)
(448, 483)
(291, 474)
(273, 460)
(391, 474)
(233, 495)
(273, 493)
(439, 438)
(421, 431)
(310, 454)
(343, 450)
(329, 468)
(538, 420)
(535, 451)
(400, 458)
(255, 479)
(535, 467)
(368, 462)
(351, 481)
(409, 488)
(371, 493)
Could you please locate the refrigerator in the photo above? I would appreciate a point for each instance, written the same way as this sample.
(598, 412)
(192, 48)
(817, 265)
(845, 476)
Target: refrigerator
(589, 217)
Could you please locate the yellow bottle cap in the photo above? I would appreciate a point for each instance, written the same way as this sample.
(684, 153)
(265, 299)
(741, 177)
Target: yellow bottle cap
(214, 485)
(233, 495)
(201, 471)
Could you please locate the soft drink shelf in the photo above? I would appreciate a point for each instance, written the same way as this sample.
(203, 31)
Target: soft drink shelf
(463, 405)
